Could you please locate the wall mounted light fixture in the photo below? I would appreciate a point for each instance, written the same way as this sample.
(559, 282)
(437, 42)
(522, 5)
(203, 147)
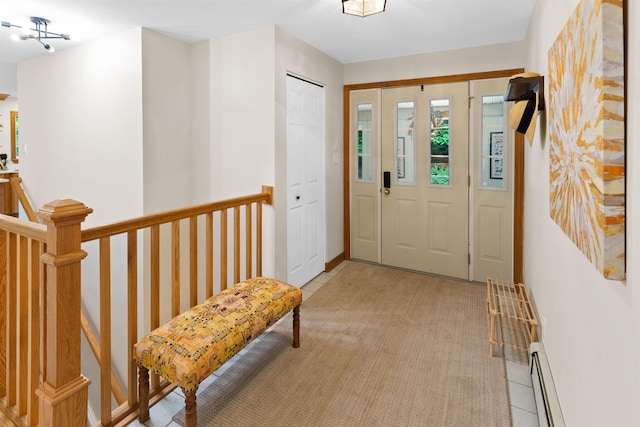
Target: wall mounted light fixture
(39, 33)
(363, 7)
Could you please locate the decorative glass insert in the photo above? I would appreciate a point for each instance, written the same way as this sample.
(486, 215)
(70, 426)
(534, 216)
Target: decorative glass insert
(364, 155)
(405, 147)
(493, 143)
(439, 155)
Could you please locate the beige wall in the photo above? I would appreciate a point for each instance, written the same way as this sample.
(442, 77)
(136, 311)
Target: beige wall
(81, 126)
(242, 122)
(166, 112)
(592, 332)
(248, 128)
(472, 60)
(296, 57)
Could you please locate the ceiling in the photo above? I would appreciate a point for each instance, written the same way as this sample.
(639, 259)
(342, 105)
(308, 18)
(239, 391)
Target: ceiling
(407, 27)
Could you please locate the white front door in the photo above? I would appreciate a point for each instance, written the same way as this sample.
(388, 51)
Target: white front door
(305, 181)
(425, 193)
(448, 204)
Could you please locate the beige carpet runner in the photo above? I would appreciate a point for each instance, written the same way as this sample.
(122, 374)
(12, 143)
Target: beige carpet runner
(379, 347)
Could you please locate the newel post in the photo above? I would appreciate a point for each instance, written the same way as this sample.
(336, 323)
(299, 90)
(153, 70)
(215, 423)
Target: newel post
(63, 391)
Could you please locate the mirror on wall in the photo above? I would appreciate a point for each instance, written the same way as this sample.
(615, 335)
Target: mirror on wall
(15, 147)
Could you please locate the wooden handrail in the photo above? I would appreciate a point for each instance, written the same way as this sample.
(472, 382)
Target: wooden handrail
(22, 197)
(31, 230)
(170, 216)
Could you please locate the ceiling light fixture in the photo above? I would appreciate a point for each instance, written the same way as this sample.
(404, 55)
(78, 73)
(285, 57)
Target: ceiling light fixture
(39, 33)
(363, 7)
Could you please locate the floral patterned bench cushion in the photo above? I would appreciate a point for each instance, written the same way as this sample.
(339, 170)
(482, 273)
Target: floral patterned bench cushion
(191, 346)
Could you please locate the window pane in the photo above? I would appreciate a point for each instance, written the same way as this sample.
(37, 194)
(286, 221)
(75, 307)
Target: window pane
(405, 147)
(493, 143)
(439, 141)
(365, 143)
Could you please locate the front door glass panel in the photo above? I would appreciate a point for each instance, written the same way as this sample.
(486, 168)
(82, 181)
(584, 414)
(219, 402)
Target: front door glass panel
(493, 170)
(405, 146)
(365, 143)
(439, 162)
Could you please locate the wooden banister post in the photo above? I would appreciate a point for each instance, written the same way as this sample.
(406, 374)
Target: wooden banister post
(63, 391)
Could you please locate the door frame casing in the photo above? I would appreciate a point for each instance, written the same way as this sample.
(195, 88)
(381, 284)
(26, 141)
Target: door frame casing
(518, 161)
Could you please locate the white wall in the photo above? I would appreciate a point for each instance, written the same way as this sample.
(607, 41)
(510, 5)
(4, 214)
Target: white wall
(200, 113)
(81, 127)
(592, 332)
(248, 128)
(242, 122)
(242, 113)
(478, 59)
(166, 91)
(8, 78)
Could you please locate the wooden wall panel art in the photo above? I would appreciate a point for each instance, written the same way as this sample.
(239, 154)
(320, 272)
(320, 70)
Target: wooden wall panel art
(587, 133)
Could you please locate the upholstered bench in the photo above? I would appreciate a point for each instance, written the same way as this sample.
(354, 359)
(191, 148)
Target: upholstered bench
(191, 346)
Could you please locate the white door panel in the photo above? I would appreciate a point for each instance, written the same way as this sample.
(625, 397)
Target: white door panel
(492, 195)
(424, 219)
(365, 171)
(305, 182)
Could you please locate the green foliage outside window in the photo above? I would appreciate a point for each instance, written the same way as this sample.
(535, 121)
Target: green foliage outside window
(440, 147)
(439, 174)
(440, 141)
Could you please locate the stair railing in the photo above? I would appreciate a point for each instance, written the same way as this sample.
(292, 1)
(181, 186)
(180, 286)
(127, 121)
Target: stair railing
(40, 273)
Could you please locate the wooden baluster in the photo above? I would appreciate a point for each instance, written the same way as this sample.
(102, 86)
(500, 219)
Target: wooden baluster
(223, 250)
(175, 268)
(23, 325)
(193, 260)
(258, 239)
(34, 332)
(105, 330)
(64, 390)
(154, 311)
(248, 242)
(12, 319)
(4, 254)
(209, 254)
(132, 279)
(236, 244)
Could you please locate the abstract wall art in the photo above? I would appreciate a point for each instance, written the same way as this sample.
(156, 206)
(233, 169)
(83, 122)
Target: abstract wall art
(587, 133)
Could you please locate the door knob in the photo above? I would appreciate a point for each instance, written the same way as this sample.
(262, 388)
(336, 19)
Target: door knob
(387, 191)
(297, 197)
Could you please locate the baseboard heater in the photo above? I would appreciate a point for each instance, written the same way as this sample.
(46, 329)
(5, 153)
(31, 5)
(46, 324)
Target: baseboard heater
(548, 406)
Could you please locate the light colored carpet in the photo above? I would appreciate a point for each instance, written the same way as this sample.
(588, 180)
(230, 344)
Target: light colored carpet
(379, 347)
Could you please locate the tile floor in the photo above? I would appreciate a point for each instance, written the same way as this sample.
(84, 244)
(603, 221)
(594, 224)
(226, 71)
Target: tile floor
(523, 406)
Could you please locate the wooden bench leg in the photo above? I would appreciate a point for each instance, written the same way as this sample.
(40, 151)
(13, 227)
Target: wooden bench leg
(143, 394)
(190, 409)
(296, 327)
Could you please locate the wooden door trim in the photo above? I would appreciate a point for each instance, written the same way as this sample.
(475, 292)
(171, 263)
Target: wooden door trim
(519, 155)
(518, 208)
